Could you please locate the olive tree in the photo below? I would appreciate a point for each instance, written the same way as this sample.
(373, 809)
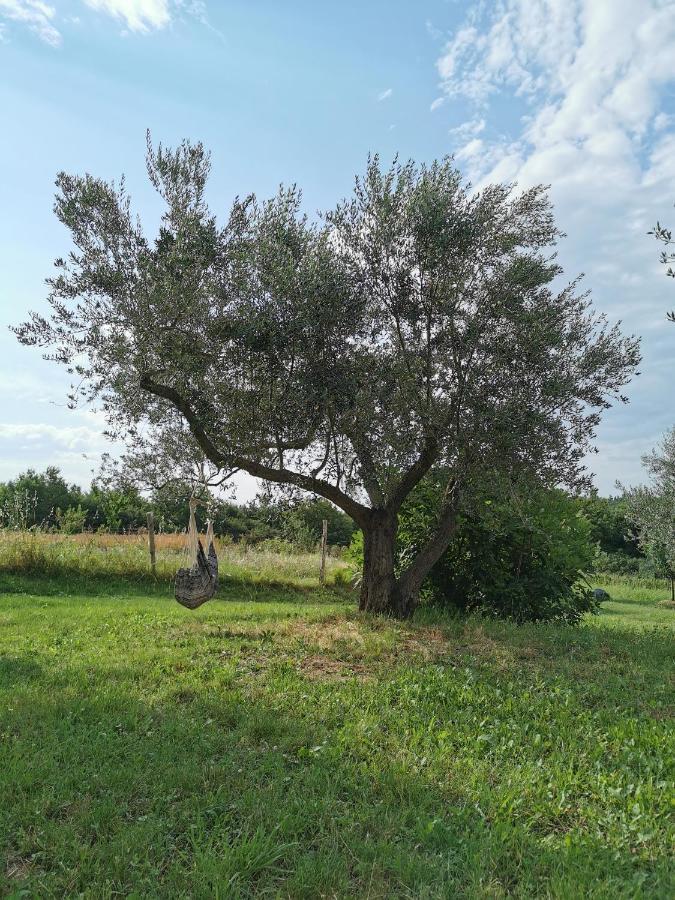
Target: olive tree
(416, 325)
(652, 509)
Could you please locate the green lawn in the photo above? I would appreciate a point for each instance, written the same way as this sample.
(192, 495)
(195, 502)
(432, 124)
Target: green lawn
(276, 743)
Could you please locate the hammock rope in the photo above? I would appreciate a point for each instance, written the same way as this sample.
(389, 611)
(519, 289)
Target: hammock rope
(197, 583)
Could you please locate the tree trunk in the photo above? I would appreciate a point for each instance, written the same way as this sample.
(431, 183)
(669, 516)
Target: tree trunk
(379, 590)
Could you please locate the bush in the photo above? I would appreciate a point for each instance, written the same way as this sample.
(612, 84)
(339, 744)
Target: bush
(71, 520)
(616, 563)
(519, 556)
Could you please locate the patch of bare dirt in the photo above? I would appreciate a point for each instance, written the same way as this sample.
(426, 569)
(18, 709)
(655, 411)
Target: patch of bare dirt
(327, 633)
(325, 668)
(429, 643)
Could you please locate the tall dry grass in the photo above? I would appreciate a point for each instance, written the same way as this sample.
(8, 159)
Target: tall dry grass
(127, 556)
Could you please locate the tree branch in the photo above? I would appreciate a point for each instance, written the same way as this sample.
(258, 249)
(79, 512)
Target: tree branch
(412, 477)
(368, 470)
(359, 513)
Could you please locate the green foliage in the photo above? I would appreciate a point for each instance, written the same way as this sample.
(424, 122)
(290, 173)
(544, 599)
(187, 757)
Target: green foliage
(38, 496)
(617, 547)
(413, 325)
(610, 527)
(279, 745)
(521, 556)
(71, 520)
(652, 509)
(354, 552)
(17, 508)
(120, 508)
(665, 236)
(617, 563)
(117, 509)
(302, 523)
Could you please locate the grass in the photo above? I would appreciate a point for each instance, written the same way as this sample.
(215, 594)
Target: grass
(277, 743)
(104, 558)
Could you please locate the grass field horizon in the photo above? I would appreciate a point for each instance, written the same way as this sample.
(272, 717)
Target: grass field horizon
(276, 742)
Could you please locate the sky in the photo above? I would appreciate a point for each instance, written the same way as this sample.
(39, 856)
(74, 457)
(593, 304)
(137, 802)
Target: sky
(576, 94)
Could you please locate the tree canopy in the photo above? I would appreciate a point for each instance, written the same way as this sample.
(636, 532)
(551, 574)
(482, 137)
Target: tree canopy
(34, 498)
(652, 508)
(414, 325)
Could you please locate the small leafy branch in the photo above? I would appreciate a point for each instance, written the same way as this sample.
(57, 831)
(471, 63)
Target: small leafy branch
(665, 235)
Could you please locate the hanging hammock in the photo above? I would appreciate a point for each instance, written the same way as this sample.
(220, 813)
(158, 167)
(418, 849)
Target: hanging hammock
(197, 583)
(211, 558)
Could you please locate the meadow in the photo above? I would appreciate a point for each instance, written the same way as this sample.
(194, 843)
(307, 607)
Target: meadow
(278, 743)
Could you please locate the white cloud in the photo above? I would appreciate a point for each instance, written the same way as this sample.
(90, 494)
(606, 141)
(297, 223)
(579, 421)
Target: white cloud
(21, 386)
(436, 104)
(37, 16)
(589, 71)
(468, 129)
(384, 95)
(134, 15)
(471, 151)
(67, 437)
(661, 121)
(137, 15)
(585, 83)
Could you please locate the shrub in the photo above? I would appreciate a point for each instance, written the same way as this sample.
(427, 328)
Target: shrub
(616, 563)
(71, 520)
(519, 555)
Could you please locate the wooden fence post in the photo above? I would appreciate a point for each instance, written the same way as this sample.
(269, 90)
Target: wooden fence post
(151, 543)
(324, 547)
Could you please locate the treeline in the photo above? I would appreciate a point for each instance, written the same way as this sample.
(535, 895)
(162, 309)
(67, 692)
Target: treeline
(45, 500)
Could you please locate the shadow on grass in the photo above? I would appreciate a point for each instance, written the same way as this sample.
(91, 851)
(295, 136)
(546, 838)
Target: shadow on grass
(205, 793)
(583, 656)
(232, 588)
(18, 670)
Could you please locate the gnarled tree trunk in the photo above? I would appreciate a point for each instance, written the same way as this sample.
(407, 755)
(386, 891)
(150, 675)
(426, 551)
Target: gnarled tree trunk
(378, 585)
(381, 591)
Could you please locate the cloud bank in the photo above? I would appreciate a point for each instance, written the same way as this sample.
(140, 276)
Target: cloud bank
(573, 93)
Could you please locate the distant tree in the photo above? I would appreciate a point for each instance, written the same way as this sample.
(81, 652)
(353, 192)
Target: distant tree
(71, 520)
(611, 529)
(340, 527)
(116, 509)
(46, 492)
(652, 509)
(415, 326)
(665, 235)
(306, 519)
(247, 522)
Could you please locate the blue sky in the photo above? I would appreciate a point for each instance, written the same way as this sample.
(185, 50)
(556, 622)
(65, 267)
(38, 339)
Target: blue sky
(576, 93)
